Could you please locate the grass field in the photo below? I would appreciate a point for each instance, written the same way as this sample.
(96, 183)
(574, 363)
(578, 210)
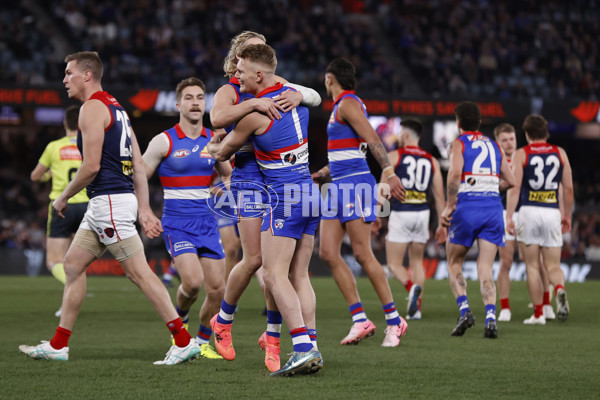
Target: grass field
(118, 336)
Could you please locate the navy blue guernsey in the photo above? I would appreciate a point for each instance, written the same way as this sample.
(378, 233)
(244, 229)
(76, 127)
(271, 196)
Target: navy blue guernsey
(116, 170)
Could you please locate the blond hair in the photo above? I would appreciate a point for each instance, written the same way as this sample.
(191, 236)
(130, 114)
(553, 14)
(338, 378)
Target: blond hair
(503, 128)
(236, 44)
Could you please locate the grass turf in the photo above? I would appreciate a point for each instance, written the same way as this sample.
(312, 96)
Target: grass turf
(118, 336)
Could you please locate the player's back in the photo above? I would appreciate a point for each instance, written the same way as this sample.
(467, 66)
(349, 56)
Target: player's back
(480, 178)
(282, 150)
(415, 169)
(542, 174)
(346, 150)
(115, 174)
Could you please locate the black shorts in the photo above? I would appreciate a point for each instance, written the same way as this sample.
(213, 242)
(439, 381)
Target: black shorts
(64, 227)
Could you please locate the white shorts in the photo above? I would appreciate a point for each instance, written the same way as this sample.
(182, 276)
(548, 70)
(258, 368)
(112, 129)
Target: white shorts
(112, 217)
(408, 227)
(515, 219)
(539, 225)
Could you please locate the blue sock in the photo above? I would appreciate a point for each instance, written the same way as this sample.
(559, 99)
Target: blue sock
(204, 334)
(490, 313)
(301, 340)
(357, 312)
(463, 305)
(183, 314)
(392, 317)
(312, 333)
(274, 320)
(226, 313)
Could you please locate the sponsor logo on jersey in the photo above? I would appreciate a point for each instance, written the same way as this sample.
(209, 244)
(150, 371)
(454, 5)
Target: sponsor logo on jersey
(181, 153)
(543, 197)
(127, 167)
(414, 197)
(70, 153)
(182, 245)
(482, 180)
(290, 158)
(299, 154)
(195, 149)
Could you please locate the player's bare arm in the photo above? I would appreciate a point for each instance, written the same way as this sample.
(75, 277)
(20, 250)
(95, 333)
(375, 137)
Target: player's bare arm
(155, 153)
(351, 111)
(40, 173)
(94, 117)
(439, 200)
(567, 192)
(222, 147)
(507, 178)
(453, 182)
(512, 196)
(225, 112)
(150, 224)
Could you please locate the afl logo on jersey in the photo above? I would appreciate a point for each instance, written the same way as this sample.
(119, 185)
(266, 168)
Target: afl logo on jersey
(181, 153)
(290, 158)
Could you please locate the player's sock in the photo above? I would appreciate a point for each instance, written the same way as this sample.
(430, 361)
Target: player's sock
(557, 287)
(546, 299)
(183, 314)
(357, 312)
(391, 314)
(226, 313)
(463, 305)
(419, 304)
(408, 285)
(301, 340)
(180, 334)
(58, 271)
(274, 320)
(60, 338)
(490, 313)
(204, 334)
(504, 304)
(538, 310)
(312, 333)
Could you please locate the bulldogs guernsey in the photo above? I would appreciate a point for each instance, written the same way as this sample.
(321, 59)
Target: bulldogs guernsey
(481, 170)
(245, 167)
(115, 174)
(542, 173)
(346, 150)
(415, 170)
(186, 174)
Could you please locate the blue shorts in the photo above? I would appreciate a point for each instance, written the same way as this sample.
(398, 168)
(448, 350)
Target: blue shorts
(477, 219)
(193, 235)
(352, 197)
(226, 217)
(294, 218)
(250, 198)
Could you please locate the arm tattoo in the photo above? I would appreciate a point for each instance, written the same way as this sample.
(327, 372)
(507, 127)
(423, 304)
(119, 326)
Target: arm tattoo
(452, 189)
(380, 154)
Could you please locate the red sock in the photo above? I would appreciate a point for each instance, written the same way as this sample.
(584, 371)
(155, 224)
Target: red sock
(408, 285)
(558, 287)
(180, 334)
(419, 304)
(504, 303)
(538, 310)
(547, 298)
(61, 338)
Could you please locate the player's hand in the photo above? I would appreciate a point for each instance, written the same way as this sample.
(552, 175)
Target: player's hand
(376, 226)
(60, 205)
(396, 188)
(319, 177)
(446, 216)
(441, 234)
(565, 223)
(150, 224)
(510, 227)
(218, 138)
(289, 99)
(267, 106)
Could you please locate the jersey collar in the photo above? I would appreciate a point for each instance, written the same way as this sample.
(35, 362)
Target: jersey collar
(270, 89)
(345, 92)
(181, 134)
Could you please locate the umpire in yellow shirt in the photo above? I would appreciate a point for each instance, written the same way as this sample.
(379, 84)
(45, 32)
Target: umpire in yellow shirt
(60, 161)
